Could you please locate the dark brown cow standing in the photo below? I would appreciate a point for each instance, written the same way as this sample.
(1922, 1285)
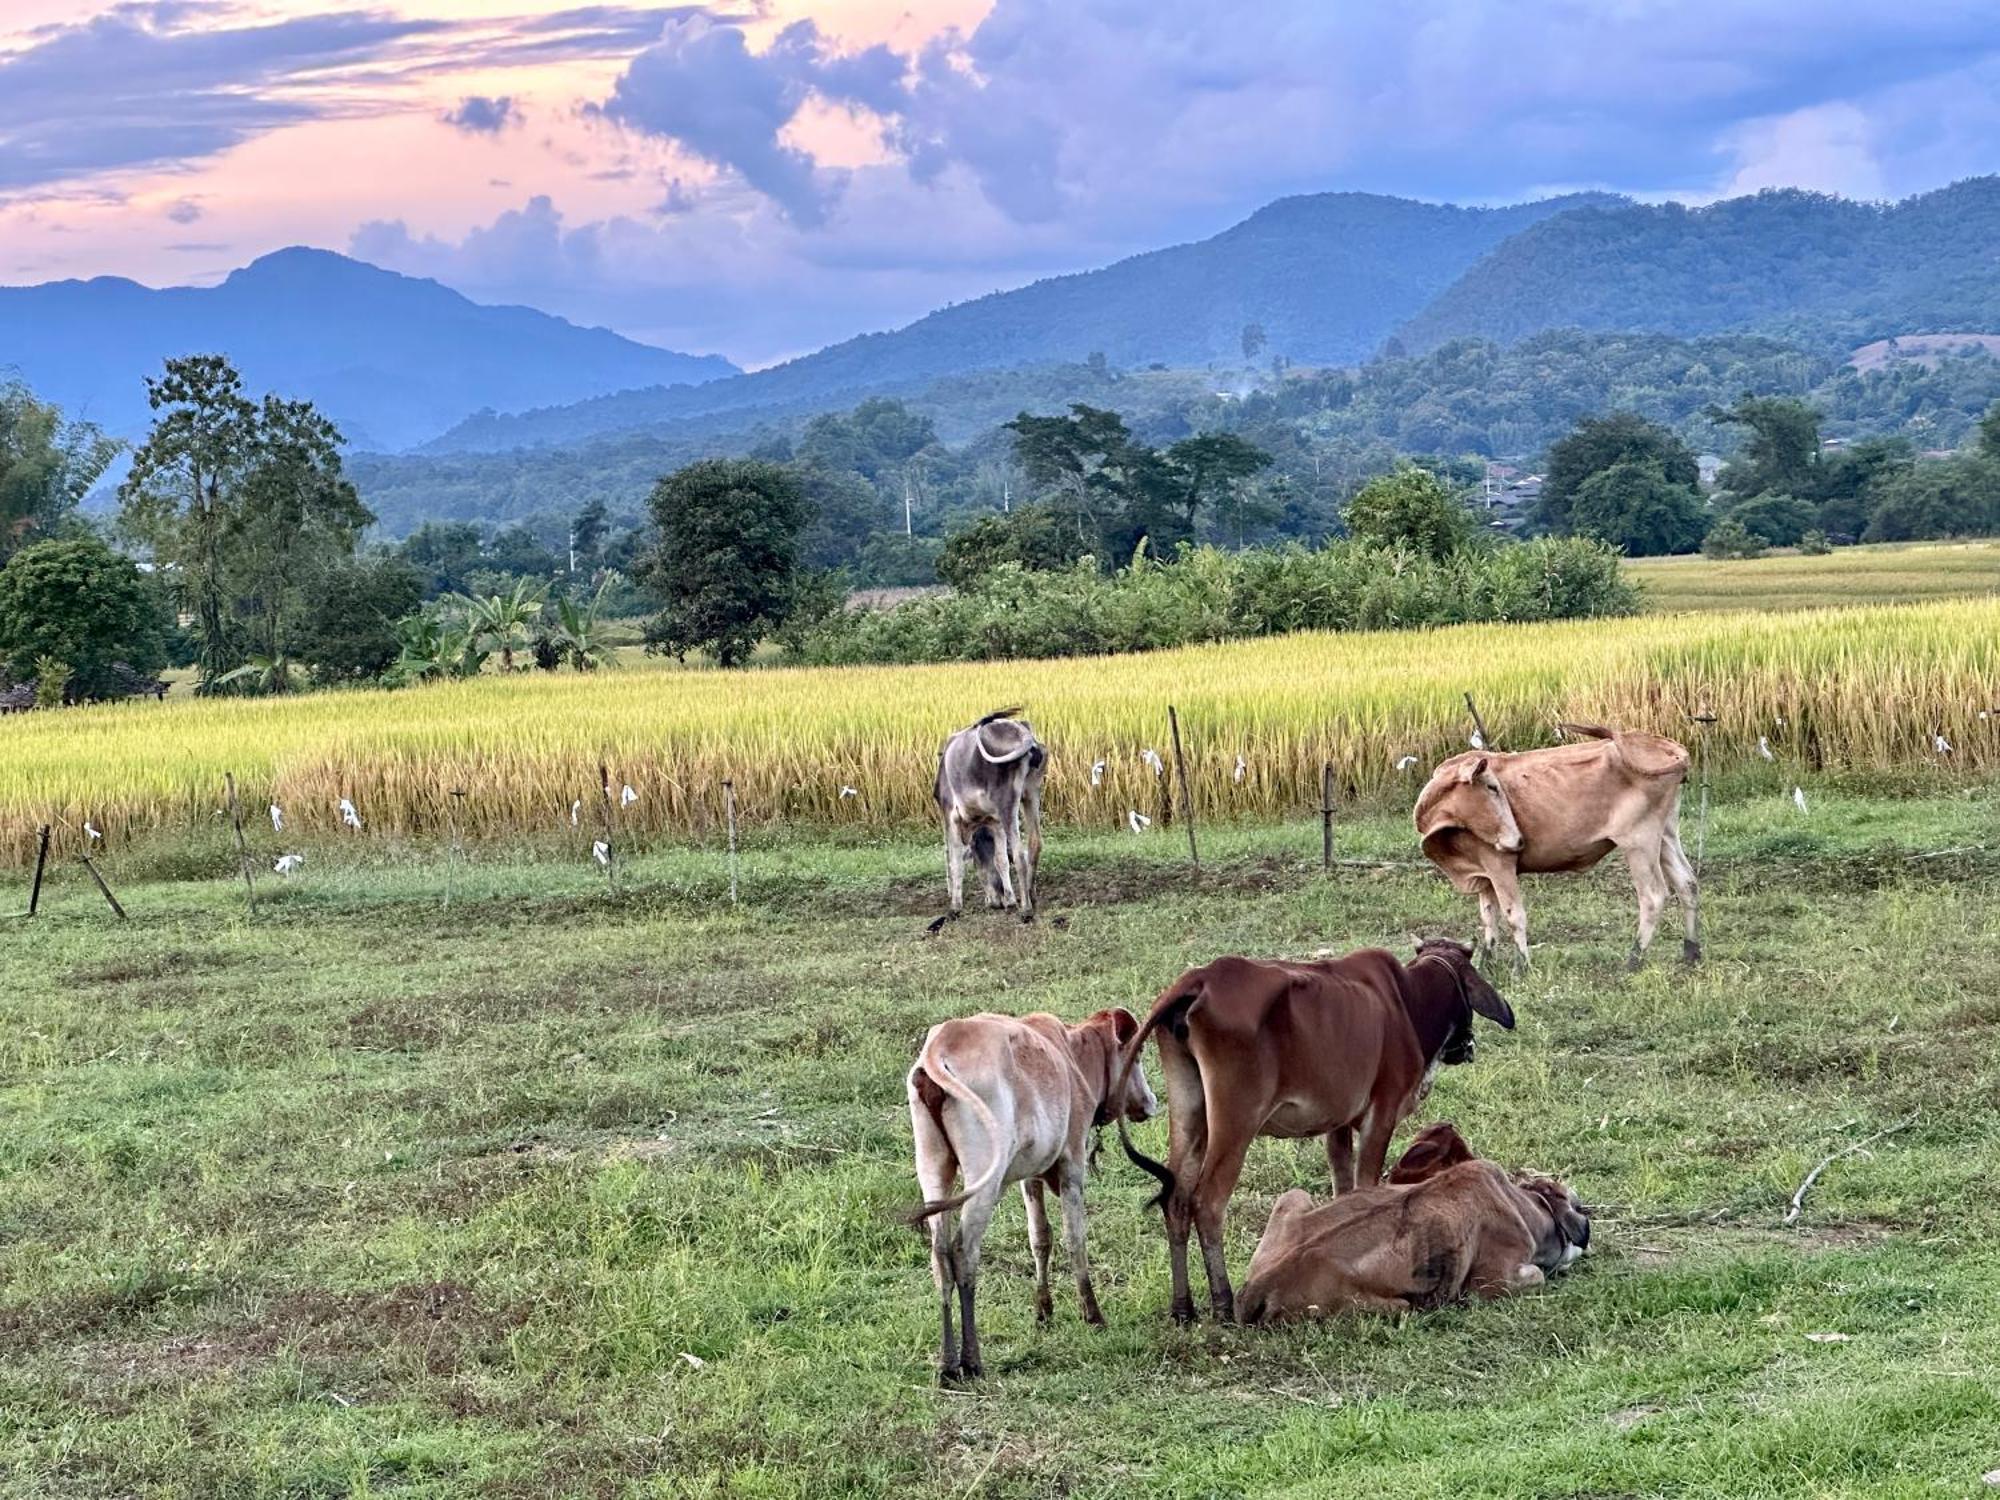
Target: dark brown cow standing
(1343, 1048)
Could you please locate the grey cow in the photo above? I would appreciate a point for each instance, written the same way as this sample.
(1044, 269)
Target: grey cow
(989, 792)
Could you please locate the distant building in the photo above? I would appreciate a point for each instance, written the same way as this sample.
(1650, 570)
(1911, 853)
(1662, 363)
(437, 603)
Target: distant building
(1707, 466)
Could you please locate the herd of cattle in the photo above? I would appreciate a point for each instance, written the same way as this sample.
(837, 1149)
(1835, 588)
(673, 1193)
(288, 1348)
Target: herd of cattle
(1344, 1048)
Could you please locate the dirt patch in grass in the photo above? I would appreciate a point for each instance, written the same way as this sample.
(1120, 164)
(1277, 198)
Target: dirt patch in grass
(169, 963)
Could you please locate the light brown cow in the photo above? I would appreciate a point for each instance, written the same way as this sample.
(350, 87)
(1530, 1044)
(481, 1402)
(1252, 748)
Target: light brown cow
(1486, 818)
(1343, 1048)
(1013, 1099)
(1446, 1226)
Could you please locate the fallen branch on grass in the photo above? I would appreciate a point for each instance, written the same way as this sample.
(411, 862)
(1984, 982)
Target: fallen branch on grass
(1799, 1198)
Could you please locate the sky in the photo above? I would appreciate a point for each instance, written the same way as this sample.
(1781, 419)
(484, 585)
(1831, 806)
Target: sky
(761, 178)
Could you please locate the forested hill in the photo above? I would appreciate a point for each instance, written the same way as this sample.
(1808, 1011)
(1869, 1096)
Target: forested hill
(392, 359)
(1325, 278)
(1817, 270)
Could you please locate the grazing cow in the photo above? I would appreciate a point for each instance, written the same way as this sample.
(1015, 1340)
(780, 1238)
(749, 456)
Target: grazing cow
(1455, 1227)
(1343, 1048)
(989, 783)
(1013, 1100)
(1487, 818)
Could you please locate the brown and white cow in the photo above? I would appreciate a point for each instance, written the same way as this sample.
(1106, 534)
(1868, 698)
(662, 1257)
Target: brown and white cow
(1013, 1099)
(1487, 818)
(1341, 1048)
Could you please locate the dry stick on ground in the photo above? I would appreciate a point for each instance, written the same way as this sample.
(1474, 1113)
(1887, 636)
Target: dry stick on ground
(610, 842)
(1799, 1198)
(41, 864)
(98, 876)
(1187, 796)
(242, 844)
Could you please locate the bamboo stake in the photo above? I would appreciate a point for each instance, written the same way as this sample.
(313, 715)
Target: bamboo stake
(1326, 816)
(604, 811)
(242, 844)
(1479, 724)
(98, 876)
(41, 864)
(1187, 796)
(729, 808)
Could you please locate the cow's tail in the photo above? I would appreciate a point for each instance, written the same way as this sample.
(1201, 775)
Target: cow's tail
(1175, 1001)
(939, 1070)
(998, 714)
(1588, 731)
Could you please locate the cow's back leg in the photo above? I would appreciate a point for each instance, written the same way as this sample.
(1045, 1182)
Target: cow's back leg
(937, 1166)
(1680, 873)
(1073, 1238)
(1187, 1145)
(1649, 883)
(1006, 835)
(954, 862)
(1039, 1244)
(1377, 1127)
(1024, 869)
(1229, 1138)
(1489, 921)
(974, 1216)
(1031, 817)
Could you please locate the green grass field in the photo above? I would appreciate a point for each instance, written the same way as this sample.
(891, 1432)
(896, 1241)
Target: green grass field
(551, 1194)
(1888, 574)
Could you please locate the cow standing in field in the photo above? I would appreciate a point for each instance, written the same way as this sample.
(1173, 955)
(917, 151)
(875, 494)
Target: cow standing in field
(1486, 818)
(1342, 1048)
(1010, 1099)
(989, 794)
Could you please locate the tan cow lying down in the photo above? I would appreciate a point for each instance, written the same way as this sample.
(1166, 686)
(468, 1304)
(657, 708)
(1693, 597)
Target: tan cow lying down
(1012, 1100)
(1461, 1227)
(1487, 818)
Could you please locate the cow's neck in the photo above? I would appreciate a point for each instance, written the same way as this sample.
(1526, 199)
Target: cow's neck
(1433, 1005)
(1093, 1066)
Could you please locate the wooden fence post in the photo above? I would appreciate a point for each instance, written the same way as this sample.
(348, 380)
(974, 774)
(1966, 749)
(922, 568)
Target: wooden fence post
(729, 809)
(41, 864)
(1187, 795)
(604, 812)
(242, 844)
(456, 795)
(1326, 816)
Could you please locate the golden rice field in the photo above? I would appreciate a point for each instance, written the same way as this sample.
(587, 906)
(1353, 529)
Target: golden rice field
(1847, 690)
(1892, 573)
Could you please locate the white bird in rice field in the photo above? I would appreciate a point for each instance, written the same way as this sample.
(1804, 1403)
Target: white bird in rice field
(848, 791)
(1242, 769)
(1477, 741)
(1799, 798)
(348, 815)
(288, 863)
(1764, 747)
(91, 829)
(277, 818)
(1152, 758)
(1406, 762)
(1139, 821)
(1943, 744)
(601, 852)
(1097, 773)
(627, 797)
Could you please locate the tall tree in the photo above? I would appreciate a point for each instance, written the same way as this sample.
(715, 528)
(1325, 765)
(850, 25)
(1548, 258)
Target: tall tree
(1411, 507)
(1634, 506)
(725, 566)
(243, 506)
(180, 497)
(1596, 444)
(1781, 454)
(47, 466)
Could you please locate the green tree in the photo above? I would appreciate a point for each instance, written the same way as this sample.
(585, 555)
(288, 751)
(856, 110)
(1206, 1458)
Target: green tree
(1253, 340)
(1729, 538)
(726, 563)
(846, 511)
(1948, 497)
(1989, 432)
(1212, 471)
(350, 632)
(503, 622)
(1781, 454)
(1779, 520)
(1599, 443)
(588, 529)
(447, 553)
(244, 506)
(1851, 481)
(78, 602)
(1634, 506)
(1030, 536)
(1411, 507)
(47, 466)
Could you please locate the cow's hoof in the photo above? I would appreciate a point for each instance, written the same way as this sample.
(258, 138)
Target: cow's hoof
(1690, 952)
(1044, 1309)
(972, 1369)
(1183, 1313)
(950, 1376)
(1634, 961)
(1027, 917)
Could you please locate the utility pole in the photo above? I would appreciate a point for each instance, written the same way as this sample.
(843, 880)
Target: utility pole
(908, 529)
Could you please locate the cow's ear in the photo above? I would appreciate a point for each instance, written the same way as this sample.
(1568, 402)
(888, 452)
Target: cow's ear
(1472, 770)
(1489, 1002)
(1124, 1025)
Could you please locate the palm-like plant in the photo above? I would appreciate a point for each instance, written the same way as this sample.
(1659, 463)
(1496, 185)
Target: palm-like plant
(502, 622)
(264, 674)
(430, 649)
(574, 636)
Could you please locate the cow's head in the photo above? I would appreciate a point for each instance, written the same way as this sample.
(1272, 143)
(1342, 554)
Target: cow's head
(1479, 805)
(1475, 997)
(1569, 1216)
(1105, 1036)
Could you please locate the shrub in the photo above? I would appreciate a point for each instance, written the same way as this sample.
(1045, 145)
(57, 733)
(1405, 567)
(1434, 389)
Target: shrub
(1729, 538)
